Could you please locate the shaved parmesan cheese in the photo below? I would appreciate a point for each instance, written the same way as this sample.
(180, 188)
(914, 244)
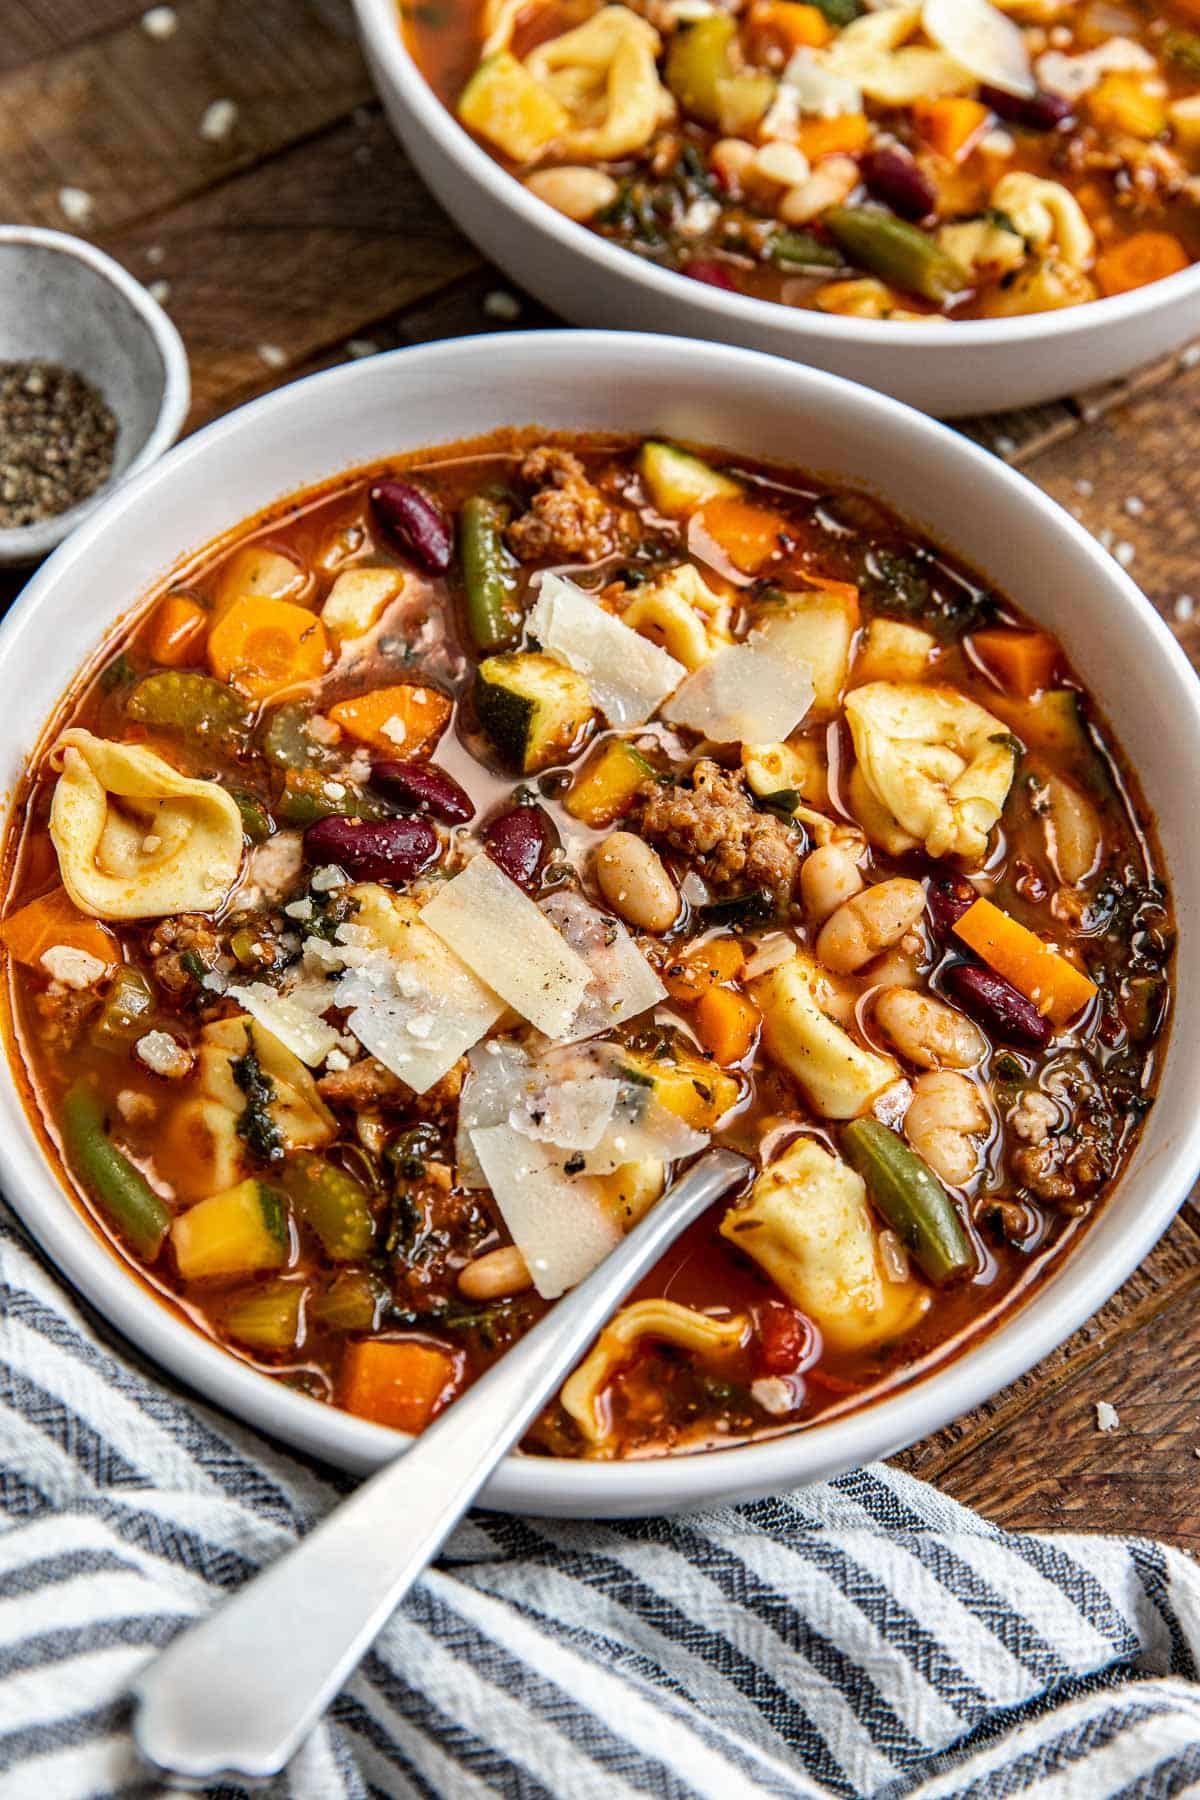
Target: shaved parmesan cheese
(558, 1221)
(751, 692)
(629, 676)
(978, 37)
(412, 1003)
(297, 1027)
(499, 932)
(572, 1114)
(818, 91)
(622, 982)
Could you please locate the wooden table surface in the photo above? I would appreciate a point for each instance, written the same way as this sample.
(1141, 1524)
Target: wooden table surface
(298, 237)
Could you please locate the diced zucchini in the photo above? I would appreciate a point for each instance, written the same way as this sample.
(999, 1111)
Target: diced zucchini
(532, 708)
(830, 619)
(126, 1010)
(693, 1088)
(505, 105)
(697, 60)
(332, 1204)
(235, 1233)
(678, 482)
(354, 1301)
(1052, 721)
(609, 784)
(741, 101)
(798, 768)
(269, 1319)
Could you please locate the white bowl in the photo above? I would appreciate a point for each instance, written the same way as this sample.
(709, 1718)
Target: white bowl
(605, 381)
(64, 301)
(980, 365)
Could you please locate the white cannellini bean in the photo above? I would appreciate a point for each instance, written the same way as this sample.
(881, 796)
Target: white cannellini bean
(578, 192)
(869, 922)
(733, 159)
(828, 877)
(781, 163)
(926, 1031)
(634, 881)
(833, 180)
(944, 1122)
(495, 1275)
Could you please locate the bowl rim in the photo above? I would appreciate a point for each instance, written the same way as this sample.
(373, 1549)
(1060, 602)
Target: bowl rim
(547, 1485)
(385, 43)
(26, 543)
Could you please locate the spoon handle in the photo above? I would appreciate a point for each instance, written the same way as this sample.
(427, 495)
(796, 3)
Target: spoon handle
(235, 1695)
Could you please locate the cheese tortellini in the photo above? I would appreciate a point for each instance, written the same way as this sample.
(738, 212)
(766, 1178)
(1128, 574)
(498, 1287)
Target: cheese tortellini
(872, 53)
(583, 1395)
(680, 611)
(940, 765)
(605, 74)
(1047, 215)
(808, 1224)
(135, 838)
(839, 1078)
(203, 1150)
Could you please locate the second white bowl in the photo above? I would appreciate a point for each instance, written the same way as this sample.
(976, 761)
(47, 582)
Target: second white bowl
(976, 366)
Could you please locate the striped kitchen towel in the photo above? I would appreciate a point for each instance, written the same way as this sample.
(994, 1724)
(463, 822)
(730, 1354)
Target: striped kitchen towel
(863, 1638)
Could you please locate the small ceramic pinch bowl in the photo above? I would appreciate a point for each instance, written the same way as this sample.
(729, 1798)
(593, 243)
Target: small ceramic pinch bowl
(64, 301)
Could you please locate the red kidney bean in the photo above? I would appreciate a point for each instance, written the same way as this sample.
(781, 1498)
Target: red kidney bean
(415, 523)
(948, 898)
(784, 1338)
(1041, 111)
(520, 842)
(373, 849)
(420, 787)
(712, 272)
(996, 1005)
(898, 179)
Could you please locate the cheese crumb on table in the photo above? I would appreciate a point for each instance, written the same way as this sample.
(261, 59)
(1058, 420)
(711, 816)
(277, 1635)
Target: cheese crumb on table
(1107, 1417)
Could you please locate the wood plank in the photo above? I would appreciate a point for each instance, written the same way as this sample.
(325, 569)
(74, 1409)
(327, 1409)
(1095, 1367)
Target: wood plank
(1054, 1470)
(37, 28)
(120, 116)
(294, 257)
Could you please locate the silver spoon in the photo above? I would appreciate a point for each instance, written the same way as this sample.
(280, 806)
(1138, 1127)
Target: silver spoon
(233, 1698)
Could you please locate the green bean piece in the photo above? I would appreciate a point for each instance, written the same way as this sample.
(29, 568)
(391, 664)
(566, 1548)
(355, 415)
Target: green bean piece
(353, 1301)
(911, 1198)
(897, 252)
(333, 1205)
(285, 741)
(306, 798)
(256, 820)
(1183, 49)
(838, 12)
(125, 1012)
(122, 1192)
(489, 573)
(180, 700)
(267, 1318)
(803, 250)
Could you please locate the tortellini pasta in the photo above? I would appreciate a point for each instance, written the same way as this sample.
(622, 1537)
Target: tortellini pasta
(839, 1078)
(1047, 215)
(681, 612)
(808, 1224)
(583, 1395)
(872, 53)
(940, 765)
(135, 838)
(605, 74)
(203, 1151)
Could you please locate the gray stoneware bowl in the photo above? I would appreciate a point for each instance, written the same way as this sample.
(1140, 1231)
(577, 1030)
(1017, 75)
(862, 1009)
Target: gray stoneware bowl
(64, 301)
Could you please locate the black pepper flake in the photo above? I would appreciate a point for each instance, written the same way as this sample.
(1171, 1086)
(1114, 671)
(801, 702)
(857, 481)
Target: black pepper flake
(57, 440)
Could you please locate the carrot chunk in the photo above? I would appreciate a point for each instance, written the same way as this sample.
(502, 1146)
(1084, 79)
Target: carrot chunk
(950, 126)
(795, 26)
(749, 534)
(406, 719)
(55, 919)
(1022, 661)
(1145, 257)
(180, 628)
(694, 973)
(726, 1024)
(1055, 986)
(263, 645)
(399, 1382)
(843, 135)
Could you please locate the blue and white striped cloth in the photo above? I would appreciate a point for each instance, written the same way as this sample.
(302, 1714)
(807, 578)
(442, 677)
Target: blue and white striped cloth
(864, 1638)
